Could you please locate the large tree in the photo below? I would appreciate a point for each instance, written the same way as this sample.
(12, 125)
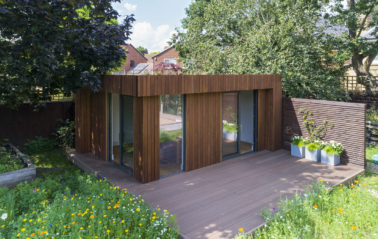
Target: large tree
(253, 36)
(53, 46)
(357, 17)
(142, 50)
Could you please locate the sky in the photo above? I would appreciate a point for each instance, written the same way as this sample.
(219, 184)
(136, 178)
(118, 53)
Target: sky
(156, 20)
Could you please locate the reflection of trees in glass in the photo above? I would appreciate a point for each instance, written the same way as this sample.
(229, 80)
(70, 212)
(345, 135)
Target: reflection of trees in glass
(171, 104)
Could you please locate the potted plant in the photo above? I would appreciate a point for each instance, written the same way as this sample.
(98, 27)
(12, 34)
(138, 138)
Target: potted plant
(298, 146)
(331, 153)
(230, 131)
(313, 149)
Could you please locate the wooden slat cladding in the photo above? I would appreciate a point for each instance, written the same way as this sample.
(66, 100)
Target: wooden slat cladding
(348, 119)
(82, 120)
(153, 85)
(203, 130)
(91, 122)
(146, 138)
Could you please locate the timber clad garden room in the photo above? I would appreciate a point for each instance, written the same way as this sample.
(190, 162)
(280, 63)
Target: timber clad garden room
(159, 125)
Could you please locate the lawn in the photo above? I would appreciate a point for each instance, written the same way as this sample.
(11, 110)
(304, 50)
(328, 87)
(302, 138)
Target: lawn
(370, 151)
(64, 202)
(345, 212)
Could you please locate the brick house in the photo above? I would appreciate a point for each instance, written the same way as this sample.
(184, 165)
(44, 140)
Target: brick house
(134, 57)
(167, 59)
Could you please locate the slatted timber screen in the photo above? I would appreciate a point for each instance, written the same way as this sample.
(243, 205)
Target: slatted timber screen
(91, 122)
(203, 130)
(348, 119)
(153, 85)
(146, 138)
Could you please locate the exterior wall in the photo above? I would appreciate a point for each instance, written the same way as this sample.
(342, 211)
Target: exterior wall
(348, 120)
(24, 123)
(135, 55)
(203, 130)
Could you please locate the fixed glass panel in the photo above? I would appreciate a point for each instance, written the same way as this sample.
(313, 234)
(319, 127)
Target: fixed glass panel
(246, 121)
(115, 128)
(171, 134)
(127, 120)
(230, 123)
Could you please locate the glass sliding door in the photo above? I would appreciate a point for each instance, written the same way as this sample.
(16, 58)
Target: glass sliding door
(230, 123)
(239, 123)
(171, 134)
(127, 136)
(121, 131)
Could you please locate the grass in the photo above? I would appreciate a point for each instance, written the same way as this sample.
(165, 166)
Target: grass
(169, 136)
(9, 161)
(370, 151)
(345, 212)
(64, 202)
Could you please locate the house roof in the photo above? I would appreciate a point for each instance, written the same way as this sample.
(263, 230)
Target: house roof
(371, 34)
(131, 45)
(169, 48)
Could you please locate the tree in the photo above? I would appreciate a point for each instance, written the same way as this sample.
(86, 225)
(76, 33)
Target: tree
(357, 17)
(53, 46)
(252, 36)
(142, 50)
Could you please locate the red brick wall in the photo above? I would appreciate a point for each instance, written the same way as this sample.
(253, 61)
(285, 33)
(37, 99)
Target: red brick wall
(348, 120)
(134, 55)
(171, 53)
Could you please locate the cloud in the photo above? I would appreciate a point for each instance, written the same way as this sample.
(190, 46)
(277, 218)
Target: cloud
(154, 39)
(130, 7)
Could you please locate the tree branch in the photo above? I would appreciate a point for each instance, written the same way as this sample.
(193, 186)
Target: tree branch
(364, 21)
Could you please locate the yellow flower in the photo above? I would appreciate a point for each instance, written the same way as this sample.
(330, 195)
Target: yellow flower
(46, 201)
(100, 222)
(355, 181)
(33, 234)
(89, 226)
(123, 221)
(321, 180)
(81, 228)
(100, 194)
(241, 229)
(108, 231)
(154, 213)
(364, 185)
(140, 224)
(25, 220)
(68, 227)
(127, 230)
(91, 217)
(131, 199)
(354, 227)
(316, 206)
(352, 194)
(105, 215)
(37, 189)
(109, 207)
(340, 210)
(287, 214)
(332, 210)
(93, 206)
(73, 223)
(18, 234)
(341, 190)
(352, 186)
(138, 209)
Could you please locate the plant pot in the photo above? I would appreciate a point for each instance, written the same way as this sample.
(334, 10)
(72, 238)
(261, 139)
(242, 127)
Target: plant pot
(297, 151)
(313, 155)
(329, 159)
(232, 136)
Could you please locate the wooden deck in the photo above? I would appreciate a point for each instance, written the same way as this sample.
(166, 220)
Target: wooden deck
(215, 201)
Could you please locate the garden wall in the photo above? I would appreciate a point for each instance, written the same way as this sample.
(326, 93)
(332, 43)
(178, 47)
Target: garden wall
(370, 100)
(348, 119)
(25, 123)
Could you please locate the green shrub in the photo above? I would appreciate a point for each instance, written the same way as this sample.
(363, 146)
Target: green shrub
(65, 134)
(334, 148)
(314, 146)
(372, 114)
(9, 161)
(298, 140)
(39, 144)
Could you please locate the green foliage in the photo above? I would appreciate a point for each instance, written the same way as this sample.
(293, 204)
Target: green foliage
(313, 146)
(230, 127)
(334, 148)
(372, 114)
(345, 212)
(9, 161)
(169, 136)
(39, 145)
(370, 151)
(51, 46)
(65, 134)
(73, 204)
(142, 50)
(315, 132)
(298, 140)
(263, 37)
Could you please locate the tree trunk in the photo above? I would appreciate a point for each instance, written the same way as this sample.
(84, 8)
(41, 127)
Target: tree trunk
(361, 66)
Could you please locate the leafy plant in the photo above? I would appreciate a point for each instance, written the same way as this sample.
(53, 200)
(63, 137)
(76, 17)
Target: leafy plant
(65, 134)
(372, 114)
(298, 140)
(9, 161)
(314, 146)
(230, 127)
(314, 131)
(334, 148)
(39, 144)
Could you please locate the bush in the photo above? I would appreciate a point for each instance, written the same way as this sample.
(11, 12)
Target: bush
(315, 145)
(39, 144)
(334, 148)
(9, 161)
(372, 114)
(65, 134)
(298, 140)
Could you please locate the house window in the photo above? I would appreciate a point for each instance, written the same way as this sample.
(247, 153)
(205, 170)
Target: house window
(170, 60)
(132, 63)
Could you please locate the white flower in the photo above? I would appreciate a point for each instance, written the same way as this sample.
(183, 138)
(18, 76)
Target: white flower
(4, 216)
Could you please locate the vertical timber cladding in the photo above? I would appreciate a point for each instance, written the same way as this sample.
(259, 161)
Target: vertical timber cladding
(91, 122)
(146, 138)
(203, 130)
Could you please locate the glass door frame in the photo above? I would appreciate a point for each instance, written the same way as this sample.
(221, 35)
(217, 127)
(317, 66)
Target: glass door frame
(120, 165)
(255, 119)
